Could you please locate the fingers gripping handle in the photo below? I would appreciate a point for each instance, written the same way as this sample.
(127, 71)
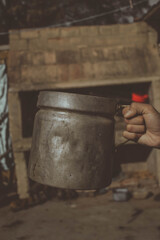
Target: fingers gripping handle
(120, 106)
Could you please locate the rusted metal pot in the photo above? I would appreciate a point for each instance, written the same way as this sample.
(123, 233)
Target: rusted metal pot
(73, 141)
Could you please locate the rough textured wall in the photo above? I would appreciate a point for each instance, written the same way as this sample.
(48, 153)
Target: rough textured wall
(82, 53)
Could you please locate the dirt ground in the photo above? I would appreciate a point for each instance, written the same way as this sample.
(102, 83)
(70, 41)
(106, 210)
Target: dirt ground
(86, 218)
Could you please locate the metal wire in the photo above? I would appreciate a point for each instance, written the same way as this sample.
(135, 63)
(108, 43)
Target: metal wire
(83, 19)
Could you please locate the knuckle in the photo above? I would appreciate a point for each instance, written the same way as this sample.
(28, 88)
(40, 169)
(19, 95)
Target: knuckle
(141, 118)
(129, 127)
(134, 135)
(125, 134)
(134, 104)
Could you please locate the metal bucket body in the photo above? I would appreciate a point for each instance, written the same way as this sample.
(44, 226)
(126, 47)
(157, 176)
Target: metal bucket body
(72, 145)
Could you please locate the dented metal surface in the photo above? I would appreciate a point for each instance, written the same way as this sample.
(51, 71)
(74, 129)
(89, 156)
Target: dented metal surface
(73, 141)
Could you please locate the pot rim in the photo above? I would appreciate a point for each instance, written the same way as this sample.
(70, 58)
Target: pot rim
(77, 102)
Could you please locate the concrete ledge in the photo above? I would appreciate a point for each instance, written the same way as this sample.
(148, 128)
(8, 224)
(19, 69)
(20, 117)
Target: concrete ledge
(28, 86)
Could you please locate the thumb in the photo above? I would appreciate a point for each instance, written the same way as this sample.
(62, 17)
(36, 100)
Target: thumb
(134, 109)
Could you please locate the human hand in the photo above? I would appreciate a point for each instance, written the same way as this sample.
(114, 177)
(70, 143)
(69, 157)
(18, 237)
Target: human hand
(143, 124)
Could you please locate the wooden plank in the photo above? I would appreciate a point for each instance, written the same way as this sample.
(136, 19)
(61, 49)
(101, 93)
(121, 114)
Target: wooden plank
(23, 145)
(149, 14)
(15, 124)
(15, 121)
(21, 174)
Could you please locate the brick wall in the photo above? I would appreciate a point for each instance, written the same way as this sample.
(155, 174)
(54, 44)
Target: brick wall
(82, 53)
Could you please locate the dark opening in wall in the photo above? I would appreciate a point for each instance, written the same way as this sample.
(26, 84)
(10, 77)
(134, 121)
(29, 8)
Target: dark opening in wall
(29, 99)
(130, 153)
(123, 91)
(28, 110)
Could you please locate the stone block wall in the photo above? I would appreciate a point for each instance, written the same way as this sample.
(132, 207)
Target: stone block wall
(92, 53)
(43, 58)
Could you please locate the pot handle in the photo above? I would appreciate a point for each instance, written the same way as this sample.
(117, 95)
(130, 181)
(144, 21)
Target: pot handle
(121, 144)
(122, 103)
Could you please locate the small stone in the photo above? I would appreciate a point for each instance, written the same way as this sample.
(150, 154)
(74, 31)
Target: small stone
(73, 205)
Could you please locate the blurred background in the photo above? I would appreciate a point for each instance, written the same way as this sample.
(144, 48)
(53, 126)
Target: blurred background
(101, 48)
